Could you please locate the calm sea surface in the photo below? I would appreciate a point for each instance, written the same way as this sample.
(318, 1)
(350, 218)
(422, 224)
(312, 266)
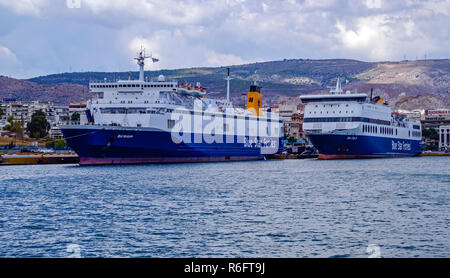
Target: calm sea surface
(285, 208)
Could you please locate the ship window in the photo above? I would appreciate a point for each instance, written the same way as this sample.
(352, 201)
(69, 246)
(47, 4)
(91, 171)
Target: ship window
(170, 123)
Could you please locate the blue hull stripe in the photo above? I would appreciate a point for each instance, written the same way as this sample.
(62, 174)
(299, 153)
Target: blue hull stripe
(132, 143)
(358, 145)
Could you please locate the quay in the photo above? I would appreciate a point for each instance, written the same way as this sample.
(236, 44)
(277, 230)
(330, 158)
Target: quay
(291, 156)
(38, 158)
(435, 154)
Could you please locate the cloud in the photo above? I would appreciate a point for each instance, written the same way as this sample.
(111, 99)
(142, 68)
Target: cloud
(218, 59)
(6, 55)
(48, 36)
(25, 7)
(177, 50)
(371, 36)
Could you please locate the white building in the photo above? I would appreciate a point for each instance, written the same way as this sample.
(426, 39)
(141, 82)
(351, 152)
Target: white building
(25, 110)
(444, 137)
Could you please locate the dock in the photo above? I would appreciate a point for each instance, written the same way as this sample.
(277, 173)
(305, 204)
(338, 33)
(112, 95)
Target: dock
(38, 158)
(435, 154)
(291, 156)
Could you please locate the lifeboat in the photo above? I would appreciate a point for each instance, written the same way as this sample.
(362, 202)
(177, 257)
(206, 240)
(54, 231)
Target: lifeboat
(197, 90)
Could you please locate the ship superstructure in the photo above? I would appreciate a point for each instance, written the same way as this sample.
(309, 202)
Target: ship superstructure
(354, 125)
(145, 121)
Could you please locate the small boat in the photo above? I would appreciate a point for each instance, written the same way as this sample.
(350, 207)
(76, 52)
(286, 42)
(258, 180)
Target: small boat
(196, 90)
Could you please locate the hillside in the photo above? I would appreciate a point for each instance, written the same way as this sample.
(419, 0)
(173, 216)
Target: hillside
(402, 82)
(58, 93)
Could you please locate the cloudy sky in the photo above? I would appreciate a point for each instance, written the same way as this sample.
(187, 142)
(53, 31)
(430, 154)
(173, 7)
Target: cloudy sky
(39, 37)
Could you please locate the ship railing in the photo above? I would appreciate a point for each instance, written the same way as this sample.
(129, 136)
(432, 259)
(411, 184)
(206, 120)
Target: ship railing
(102, 81)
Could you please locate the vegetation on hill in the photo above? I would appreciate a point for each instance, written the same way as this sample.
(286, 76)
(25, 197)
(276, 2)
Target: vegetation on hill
(405, 81)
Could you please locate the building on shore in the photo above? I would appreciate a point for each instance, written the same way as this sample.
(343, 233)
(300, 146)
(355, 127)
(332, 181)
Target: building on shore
(286, 110)
(292, 116)
(294, 126)
(435, 118)
(414, 115)
(444, 137)
(66, 115)
(56, 115)
(23, 111)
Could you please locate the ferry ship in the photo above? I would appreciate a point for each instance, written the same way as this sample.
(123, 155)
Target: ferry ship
(354, 125)
(163, 121)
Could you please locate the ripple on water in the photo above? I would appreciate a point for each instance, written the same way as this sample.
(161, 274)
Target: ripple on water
(285, 208)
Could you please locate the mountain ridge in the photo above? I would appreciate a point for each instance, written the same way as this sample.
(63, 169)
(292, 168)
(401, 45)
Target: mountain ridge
(279, 79)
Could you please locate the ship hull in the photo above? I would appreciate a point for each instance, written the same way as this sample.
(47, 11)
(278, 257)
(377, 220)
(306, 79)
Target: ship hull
(334, 146)
(96, 145)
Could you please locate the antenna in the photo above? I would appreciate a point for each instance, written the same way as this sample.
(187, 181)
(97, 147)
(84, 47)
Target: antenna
(338, 88)
(228, 84)
(141, 61)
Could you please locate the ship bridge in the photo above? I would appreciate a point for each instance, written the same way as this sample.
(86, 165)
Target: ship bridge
(333, 98)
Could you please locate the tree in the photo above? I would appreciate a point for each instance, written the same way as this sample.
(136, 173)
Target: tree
(1, 113)
(292, 140)
(10, 120)
(57, 143)
(430, 133)
(75, 117)
(60, 143)
(38, 127)
(14, 126)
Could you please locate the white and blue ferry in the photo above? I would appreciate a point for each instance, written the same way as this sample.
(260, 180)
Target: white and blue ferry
(161, 121)
(354, 125)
